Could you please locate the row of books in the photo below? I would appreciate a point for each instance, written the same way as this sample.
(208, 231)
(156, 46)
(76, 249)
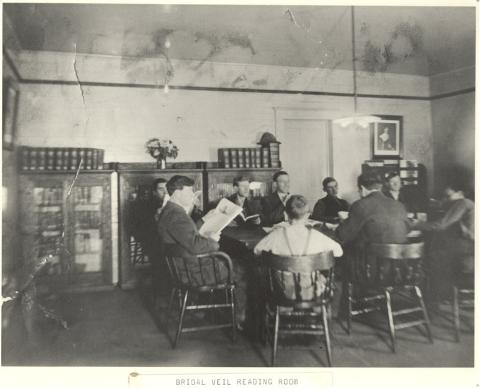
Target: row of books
(400, 163)
(252, 157)
(60, 158)
(88, 194)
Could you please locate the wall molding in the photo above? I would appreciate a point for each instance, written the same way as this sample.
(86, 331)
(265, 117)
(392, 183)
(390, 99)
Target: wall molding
(39, 81)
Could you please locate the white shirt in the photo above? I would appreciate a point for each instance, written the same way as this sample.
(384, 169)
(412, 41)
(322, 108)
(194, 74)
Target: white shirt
(297, 233)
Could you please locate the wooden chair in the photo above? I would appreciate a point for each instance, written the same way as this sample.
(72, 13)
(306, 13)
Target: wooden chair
(193, 277)
(297, 314)
(389, 268)
(463, 298)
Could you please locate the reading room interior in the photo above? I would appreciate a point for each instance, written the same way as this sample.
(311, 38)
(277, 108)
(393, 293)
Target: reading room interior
(238, 185)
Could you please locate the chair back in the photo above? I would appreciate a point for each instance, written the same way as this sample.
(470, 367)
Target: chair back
(391, 264)
(204, 271)
(300, 281)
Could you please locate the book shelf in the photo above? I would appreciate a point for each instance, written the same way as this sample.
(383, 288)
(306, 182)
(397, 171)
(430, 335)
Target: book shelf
(413, 176)
(69, 225)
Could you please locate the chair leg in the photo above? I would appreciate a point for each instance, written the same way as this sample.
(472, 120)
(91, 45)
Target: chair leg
(391, 324)
(180, 322)
(327, 335)
(266, 328)
(456, 314)
(349, 307)
(425, 314)
(234, 317)
(169, 308)
(275, 335)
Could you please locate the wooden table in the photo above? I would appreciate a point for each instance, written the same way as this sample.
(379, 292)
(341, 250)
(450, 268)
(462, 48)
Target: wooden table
(249, 236)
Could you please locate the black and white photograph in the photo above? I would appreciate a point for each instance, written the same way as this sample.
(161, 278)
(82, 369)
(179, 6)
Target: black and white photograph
(387, 136)
(239, 186)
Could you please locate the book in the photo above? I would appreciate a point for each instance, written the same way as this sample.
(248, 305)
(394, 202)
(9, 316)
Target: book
(233, 158)
(247, 158)
(66, 155)
(391, 161)
(265, 157)
(241, 158)
(50, 159)
(100, 158)
(88, 159)
(25, 158)
(32, 161)
(220, 217)
(258, 156)
(274, 149)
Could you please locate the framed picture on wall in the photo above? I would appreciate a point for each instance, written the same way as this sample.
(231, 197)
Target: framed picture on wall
(387, 137)
(10, 106)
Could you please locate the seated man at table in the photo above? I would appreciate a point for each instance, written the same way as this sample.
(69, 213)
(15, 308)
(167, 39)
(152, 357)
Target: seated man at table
(175, 226)
(242, 198)
(374, 218)
(297, 238)
(327, 208)
(273, 206)
(454, 241)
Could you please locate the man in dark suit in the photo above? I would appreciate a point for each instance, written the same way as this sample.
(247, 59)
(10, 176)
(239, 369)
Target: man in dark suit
(242, 198)
(374, 218)
(328, 207)
(273, 206)
(175, 226)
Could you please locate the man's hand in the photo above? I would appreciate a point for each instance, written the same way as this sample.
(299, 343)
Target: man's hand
(214, 236)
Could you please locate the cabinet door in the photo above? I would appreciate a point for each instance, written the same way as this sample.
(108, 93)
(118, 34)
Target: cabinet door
(89, 227)
(42, 221)
(69, 223)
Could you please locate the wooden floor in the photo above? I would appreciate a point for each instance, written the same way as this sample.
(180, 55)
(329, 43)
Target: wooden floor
(116, 328)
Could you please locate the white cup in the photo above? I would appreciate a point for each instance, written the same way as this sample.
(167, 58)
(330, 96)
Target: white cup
(343, 215)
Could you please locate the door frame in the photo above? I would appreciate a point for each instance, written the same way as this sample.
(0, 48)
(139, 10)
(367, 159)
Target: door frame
(284, 113)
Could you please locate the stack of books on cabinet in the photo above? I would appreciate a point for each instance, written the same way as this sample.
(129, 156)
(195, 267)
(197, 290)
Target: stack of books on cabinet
(249, 158)
(60, 158)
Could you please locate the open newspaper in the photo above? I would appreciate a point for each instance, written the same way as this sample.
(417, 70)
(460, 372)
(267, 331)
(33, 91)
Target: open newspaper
(220, 217)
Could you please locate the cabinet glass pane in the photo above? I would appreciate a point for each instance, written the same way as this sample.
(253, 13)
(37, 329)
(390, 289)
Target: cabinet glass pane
(48, 209)
(88, 234)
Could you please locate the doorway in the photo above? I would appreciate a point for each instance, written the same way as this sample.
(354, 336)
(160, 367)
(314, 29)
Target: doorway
(306, 155)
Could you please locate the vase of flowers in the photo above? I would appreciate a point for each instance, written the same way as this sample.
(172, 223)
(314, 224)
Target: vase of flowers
(161, 150)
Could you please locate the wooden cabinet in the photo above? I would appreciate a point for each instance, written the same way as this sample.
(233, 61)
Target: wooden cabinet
(69, 221)
(136, 185)
(219, 182)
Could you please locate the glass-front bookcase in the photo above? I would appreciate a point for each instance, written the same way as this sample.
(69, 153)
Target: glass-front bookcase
(219, 182)
(68, 221)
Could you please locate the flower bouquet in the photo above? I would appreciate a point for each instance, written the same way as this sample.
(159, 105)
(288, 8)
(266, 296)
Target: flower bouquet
(161, 150)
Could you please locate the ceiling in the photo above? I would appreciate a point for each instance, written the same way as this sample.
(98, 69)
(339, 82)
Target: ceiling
(407, 40)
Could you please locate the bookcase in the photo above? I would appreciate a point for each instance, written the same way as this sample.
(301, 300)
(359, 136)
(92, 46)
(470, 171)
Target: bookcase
(69, 221)
(135, 185)
(413, 176)
(219, 182)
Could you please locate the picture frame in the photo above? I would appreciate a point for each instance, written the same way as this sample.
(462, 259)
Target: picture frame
(387, 137)
(10, 110)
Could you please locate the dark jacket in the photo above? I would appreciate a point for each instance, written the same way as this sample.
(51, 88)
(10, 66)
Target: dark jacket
(375, 219)
(251, 206)
(176, 227)
(272, 209)
(328, 208)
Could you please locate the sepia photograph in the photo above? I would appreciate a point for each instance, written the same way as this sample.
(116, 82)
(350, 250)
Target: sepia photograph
(387, 136)
(239, 186)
